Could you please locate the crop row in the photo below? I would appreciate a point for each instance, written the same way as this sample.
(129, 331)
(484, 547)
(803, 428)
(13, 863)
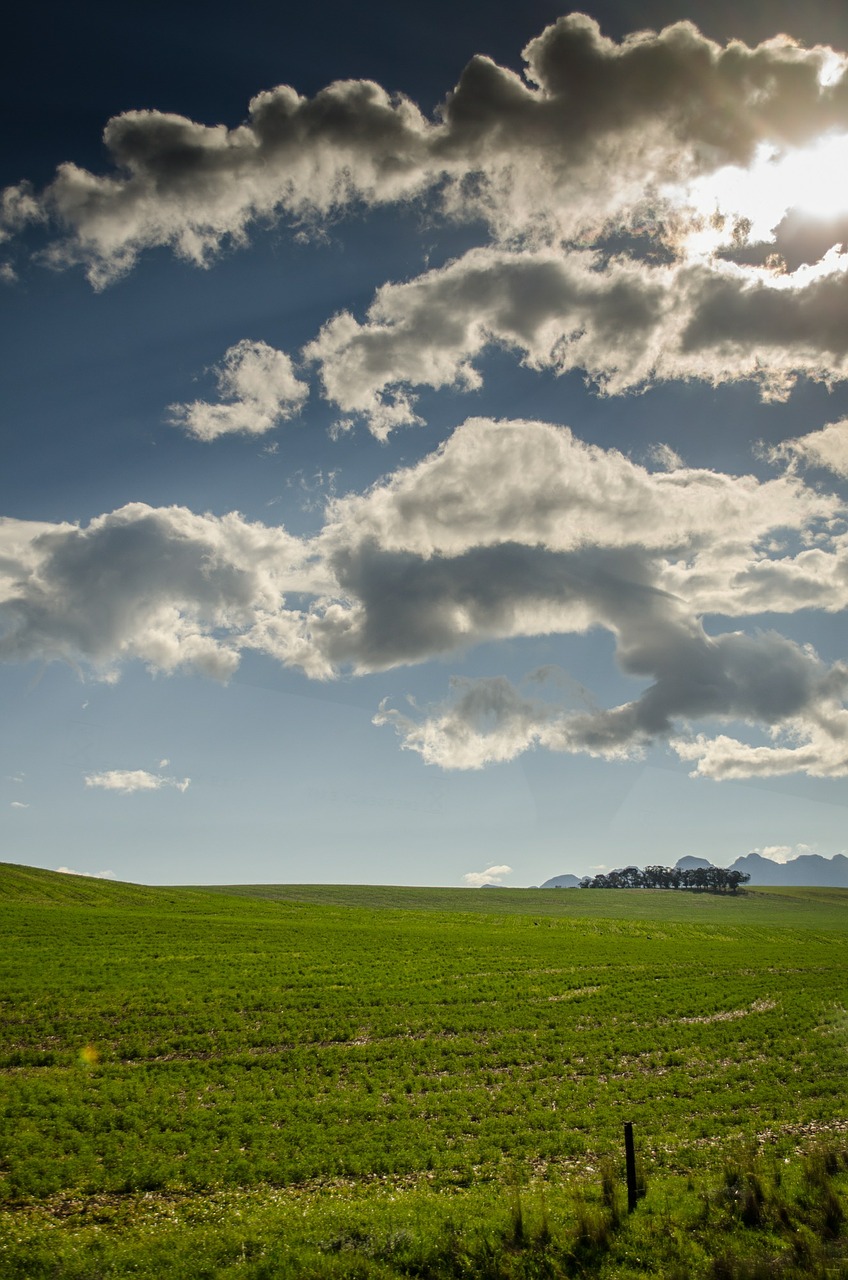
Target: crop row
(146, 1049)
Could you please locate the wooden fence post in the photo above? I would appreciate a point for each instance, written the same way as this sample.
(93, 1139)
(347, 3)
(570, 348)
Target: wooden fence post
(630, 1163)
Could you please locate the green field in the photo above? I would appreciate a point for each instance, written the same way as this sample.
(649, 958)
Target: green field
(310, 1080)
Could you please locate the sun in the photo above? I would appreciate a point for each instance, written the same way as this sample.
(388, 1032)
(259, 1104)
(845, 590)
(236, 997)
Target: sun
(816, 177)
(811, 179)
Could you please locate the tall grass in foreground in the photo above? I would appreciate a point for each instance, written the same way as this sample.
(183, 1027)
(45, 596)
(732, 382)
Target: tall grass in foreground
(758, 1218)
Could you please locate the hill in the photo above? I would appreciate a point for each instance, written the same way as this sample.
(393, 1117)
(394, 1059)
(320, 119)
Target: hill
(807, 869)
(36, 886)
(795, 906)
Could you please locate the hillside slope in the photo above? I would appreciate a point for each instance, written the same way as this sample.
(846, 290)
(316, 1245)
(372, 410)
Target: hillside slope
(793, 907)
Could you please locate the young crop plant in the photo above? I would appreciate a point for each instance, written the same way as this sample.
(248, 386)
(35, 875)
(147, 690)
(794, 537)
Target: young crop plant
(178, 1050)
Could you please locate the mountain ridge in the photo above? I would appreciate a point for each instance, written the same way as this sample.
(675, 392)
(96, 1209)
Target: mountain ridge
(808, 870)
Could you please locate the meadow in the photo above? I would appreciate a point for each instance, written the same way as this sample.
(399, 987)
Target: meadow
(308, 1080)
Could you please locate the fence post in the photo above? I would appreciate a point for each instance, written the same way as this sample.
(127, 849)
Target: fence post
(630, 1163)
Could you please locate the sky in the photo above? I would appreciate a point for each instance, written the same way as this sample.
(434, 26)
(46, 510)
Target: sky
(425, 438)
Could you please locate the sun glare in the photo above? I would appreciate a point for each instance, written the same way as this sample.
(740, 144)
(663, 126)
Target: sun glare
(813, 179)
(833, 68)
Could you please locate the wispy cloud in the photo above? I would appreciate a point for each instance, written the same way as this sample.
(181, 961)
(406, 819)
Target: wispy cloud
(126, 781)
(827, 448)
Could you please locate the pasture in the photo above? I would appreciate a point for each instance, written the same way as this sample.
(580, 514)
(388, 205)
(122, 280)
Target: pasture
(331, 1067)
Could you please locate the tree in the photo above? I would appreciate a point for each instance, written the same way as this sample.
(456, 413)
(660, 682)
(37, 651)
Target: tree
(711, 879)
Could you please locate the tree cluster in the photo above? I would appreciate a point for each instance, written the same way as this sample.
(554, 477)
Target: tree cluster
(703, 879)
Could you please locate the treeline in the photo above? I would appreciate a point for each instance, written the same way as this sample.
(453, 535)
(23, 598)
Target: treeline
(704, 879)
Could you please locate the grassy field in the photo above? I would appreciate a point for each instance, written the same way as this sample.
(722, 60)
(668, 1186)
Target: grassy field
(798, 908)
(312, 1080)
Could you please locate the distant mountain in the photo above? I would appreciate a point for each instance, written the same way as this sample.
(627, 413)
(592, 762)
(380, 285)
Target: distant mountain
(807, 869)
(692, 864)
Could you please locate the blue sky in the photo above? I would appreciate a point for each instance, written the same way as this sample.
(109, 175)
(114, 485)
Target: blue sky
(425, 438)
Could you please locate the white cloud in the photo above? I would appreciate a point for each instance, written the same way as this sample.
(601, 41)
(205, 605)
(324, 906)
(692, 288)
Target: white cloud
(624, 322)
(492, 875)
(520, 529)
(600, 144)
(488, 723)
(783, 853)
(192, 187)
(258, 387)
(162, 585)
(19, 804)
(532, 483)
(558, 311)
(827, 448)
(126, 781)
(665, 458)
(815, 744)
(508, 529)
(593, 129)
(90, 875)
(745, 580)
(607, 123)
(764, 680)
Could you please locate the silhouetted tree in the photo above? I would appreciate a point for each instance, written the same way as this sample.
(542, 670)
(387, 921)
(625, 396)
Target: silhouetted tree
(699, 879)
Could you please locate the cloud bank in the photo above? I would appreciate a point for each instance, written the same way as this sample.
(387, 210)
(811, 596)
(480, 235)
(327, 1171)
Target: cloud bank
(652, 209)
(509, 529)
(644, 206)
(532, 154)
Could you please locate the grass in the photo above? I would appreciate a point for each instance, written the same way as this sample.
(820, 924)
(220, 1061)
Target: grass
(311, 1080)
(755, 1219)
(796, 907)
